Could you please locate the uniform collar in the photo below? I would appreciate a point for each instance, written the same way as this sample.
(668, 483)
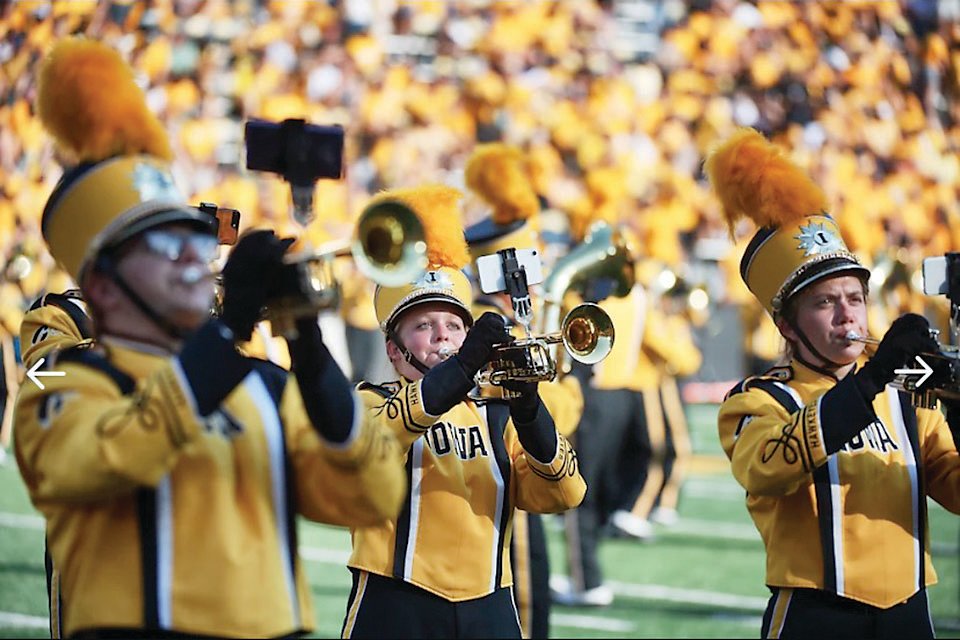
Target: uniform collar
(806, 372)
(146, 348)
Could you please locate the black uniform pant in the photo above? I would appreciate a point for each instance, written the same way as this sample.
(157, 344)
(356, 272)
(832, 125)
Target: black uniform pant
(531, 574)
(811, 613)
(381, 607)
(611, 419)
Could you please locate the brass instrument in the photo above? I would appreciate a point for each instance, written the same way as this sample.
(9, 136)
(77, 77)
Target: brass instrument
(587, 335)
(388, 247)
(944, 382)
(604, 253)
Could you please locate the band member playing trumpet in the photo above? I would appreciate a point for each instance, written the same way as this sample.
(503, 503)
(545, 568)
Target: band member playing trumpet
(495, 172)
(836, 463)
(441, 569)
(170, 468)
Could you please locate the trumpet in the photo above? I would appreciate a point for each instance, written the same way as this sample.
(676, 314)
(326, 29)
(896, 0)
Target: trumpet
(943, 382)
(388, 246)
(587, 335)
(853, 336)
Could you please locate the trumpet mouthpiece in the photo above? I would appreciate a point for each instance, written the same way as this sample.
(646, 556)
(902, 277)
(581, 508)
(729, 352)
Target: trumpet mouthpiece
(853, 336)
(194, 274)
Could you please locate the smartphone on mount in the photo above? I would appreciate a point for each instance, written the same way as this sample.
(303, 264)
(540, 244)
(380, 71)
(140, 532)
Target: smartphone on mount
(490, 270)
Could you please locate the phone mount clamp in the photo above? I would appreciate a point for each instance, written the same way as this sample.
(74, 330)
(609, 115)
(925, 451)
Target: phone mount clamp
(515, 278)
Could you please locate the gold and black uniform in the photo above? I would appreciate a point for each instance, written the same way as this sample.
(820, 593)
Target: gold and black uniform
(853, 523)
(55, 321)
(116, 457)
(467, 471)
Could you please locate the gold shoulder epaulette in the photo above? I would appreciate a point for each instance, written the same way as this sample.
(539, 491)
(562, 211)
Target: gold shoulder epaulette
(385, 389)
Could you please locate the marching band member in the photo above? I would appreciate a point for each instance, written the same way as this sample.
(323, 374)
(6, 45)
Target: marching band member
(650, 483)
(55, 322)
(613, 415)
(836, 463)
(441, 569)
(169, 467)
(495, 172)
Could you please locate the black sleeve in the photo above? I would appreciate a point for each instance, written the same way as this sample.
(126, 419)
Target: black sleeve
(445, 385)
(212, 365)
(844, 412)
(327, 394)
(538, 436)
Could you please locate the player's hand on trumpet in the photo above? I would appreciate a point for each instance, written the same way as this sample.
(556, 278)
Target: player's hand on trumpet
(908, 337)
(448, 383)
(477, 348)
(251, 272)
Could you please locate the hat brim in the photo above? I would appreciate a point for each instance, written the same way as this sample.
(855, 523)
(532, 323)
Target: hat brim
(203, 222)
(458, 308)
(487, 230)
(827, 269)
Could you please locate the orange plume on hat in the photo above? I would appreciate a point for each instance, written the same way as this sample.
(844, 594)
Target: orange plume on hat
(754, 179)
(436, 206)
(88, 100)
(496, 172)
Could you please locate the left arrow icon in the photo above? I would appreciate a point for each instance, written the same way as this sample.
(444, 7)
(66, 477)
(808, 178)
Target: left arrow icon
(34, 375)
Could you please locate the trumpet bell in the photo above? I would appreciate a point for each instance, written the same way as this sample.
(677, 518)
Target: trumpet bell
(389, 246)
(587, 333)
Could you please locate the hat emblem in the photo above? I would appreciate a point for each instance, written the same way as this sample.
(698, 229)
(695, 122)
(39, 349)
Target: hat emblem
(434, 280)
(153, 184)
(815, 239)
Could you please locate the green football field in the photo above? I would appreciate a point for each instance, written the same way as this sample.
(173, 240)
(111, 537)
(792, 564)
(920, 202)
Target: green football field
(702, 578)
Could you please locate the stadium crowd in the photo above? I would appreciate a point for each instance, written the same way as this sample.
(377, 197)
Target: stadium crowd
(864, 93)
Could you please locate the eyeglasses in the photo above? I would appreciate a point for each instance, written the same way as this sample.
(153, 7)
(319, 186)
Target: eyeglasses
(172, 246)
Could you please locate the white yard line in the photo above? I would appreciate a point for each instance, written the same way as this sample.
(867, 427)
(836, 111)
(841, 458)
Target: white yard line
(324, 556)
(580, 621)
(714, 487)
(663, 593)
(713, 529)
(20, 521)
(21, 621)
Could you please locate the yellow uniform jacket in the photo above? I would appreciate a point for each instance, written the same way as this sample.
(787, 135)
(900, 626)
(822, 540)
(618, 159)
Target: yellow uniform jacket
(620, 369)
(467, 471)
(160, 519)
(852, 523)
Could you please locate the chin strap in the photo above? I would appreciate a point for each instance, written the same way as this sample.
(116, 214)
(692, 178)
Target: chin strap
(829, 364)
(106, 265)
(409, 357)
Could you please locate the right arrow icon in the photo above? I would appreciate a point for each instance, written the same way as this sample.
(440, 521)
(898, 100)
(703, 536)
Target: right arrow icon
(924, 372)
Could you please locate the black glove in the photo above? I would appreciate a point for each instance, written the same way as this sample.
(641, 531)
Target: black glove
(252, 270)
(447, 383)
(907, 337)
(488, 330)
(526, 400)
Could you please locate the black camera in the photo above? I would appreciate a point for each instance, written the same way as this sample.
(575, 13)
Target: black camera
(300, 152)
